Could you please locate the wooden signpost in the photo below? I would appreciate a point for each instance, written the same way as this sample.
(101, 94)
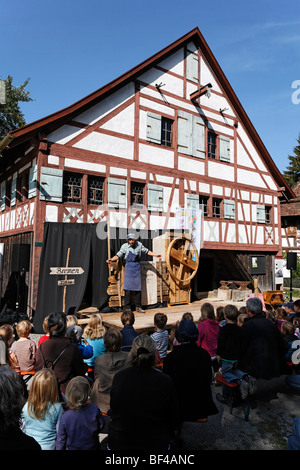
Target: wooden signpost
(66, 270)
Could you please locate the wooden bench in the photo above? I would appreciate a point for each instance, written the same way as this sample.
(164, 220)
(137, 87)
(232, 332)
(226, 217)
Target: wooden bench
(230, 388)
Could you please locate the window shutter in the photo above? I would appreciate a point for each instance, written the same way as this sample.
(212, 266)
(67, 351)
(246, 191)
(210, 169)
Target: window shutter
(192, 201)
(3, 196)
(224, 148)
(198, 137)
(185, 128)
(260, 214)
(117, 193)
(154, 128)
(51, 184)
(229, 209)
(13, 197)
(32, 181)
(192, 69)
(155, 197)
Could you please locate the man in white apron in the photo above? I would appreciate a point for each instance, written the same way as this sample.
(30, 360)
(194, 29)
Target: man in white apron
(131, 252)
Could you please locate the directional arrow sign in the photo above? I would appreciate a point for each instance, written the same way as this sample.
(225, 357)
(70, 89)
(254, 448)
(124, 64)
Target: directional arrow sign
(66, 271)
(66, 282)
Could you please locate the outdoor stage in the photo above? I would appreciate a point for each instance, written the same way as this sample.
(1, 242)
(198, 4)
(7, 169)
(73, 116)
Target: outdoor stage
(144, 321)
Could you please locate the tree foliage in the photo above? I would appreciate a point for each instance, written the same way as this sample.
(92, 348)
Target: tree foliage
(292, 173)
(11, 117)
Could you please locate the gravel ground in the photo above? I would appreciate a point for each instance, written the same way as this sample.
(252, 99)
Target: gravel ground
(270, 421)
(269, 425)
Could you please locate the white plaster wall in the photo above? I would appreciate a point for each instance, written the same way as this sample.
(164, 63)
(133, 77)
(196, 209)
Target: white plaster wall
(172, 84)
(242, 156)
(164, 179)
(138, 174)
(221, 171)
(53, 160)
(83, 165)
(245, 195)
(204, 188)
(118, 171)
(251, 178)
(156, 156)
(270, 182)
(123, 122)
(175, 62)
(51, 213)
(242, 234)
(211, 231)
(231, 235)
(160, 108)
(107, 144)
(157, 222)
(260, 239)
(219, 129)
(207, 76)
(217, 190)
(98, 111)
(251, 149)
(64, 134)
(190, 165)
(246, 208)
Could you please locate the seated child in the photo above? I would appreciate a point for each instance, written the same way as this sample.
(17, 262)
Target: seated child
(229, 348)
(24, 348)
(220, 316)
(80, 425)
(128, 332)
(7, 334)
(161, 335)
(74, 333)
(288, 333)
(71, 320)
(281, 316)
(47, 332)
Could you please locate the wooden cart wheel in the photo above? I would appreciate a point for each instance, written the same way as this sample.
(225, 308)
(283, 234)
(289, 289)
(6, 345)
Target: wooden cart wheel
(182, 255)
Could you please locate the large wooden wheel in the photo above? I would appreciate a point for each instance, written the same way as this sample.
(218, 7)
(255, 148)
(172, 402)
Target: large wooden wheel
(182, 259)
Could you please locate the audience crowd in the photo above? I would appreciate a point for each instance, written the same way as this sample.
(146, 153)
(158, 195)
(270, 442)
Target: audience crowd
(138, 388)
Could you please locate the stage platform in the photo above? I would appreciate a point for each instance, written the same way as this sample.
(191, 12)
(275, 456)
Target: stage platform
(144, 321)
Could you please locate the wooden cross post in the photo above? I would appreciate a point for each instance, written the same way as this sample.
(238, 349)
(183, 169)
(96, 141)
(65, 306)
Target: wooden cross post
(65, 287)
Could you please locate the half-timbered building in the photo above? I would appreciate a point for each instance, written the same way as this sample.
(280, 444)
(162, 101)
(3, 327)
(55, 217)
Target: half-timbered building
(168, 134)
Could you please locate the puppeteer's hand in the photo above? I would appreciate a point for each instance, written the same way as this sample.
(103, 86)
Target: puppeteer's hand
(108, 261)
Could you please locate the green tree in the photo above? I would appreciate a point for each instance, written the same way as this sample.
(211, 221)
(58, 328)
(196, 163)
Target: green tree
(292, 173)
(11, 116)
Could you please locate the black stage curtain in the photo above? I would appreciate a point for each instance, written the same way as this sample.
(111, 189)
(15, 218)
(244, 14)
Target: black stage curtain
(88, 251)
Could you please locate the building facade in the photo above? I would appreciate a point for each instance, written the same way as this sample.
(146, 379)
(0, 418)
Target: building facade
(170, 133)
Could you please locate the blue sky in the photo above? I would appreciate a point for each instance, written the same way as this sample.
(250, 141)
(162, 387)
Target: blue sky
(70, 48)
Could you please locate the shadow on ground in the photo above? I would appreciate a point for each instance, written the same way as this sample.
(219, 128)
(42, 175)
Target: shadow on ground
(273, 408)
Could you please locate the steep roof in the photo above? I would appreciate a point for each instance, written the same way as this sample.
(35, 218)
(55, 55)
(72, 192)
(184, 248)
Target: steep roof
(51, 122)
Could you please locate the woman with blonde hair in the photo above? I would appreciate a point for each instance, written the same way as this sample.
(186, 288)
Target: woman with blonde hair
(94, 334)
(42, 412)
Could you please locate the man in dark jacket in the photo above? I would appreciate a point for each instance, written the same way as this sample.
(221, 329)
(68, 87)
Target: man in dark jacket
(263, 348)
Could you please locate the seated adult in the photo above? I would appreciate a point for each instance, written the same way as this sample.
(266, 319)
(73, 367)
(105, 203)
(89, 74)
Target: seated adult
(59, 353)
(189, 366)
(12, 400)
(106, 366)
(143, 401)
(263, 348)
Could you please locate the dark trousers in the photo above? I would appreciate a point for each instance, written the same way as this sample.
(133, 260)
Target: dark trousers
(137, 298)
